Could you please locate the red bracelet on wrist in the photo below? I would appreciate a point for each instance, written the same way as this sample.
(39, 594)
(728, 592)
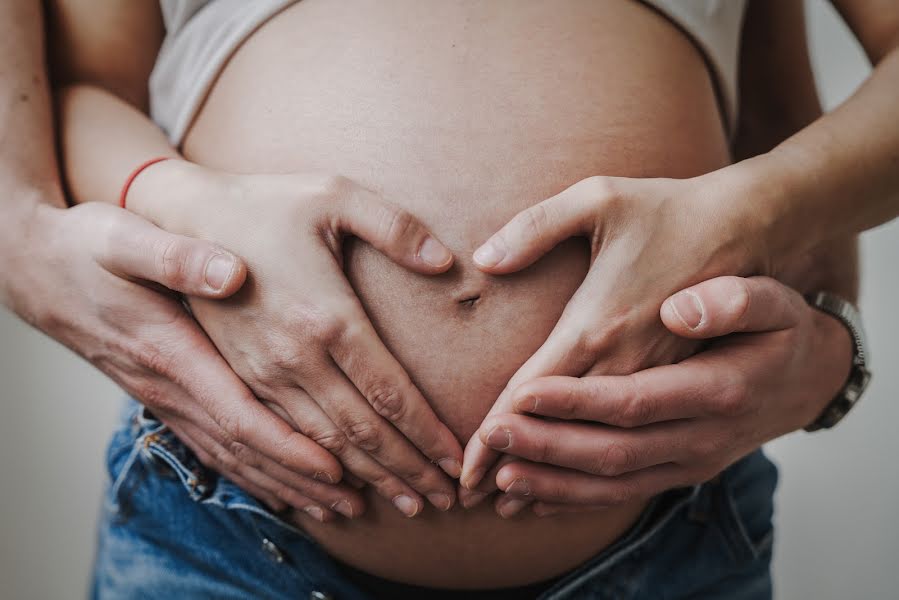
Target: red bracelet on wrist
(140, 168)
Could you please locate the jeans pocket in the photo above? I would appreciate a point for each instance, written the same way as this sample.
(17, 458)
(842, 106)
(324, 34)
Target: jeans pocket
(748, 506)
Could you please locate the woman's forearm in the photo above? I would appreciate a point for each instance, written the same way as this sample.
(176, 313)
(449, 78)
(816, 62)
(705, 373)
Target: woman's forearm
(103, 139)
(839, 175)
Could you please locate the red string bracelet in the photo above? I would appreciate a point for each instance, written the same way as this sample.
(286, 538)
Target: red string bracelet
(140, 168)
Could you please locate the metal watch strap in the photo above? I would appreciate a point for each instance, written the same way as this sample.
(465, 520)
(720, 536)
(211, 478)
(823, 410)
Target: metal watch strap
(859, 375)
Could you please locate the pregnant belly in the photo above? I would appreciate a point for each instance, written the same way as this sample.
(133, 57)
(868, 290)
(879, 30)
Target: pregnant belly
(465, 113)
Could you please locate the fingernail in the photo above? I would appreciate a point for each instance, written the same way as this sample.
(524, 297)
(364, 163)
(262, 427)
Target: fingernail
(499, 438)
(512, 507)
(323, 476)
(406, 505)
(490, 254)
(688, 308)
(471, 499)
(473, 479)
(519, 487)
(218, 270)
(440, 501)
(434, 253)
(316, 513)
(451, 467)
(343, 507)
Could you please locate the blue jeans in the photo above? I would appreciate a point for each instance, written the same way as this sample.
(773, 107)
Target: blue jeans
(171, 529)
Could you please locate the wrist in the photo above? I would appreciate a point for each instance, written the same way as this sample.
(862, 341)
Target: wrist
(835, 348)
(174, 193)
(777, 204)
(25, 232)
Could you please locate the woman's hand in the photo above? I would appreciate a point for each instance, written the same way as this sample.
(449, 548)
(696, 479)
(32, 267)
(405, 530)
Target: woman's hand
(649, 238)
(297, 334)
(621, 438)
(97, 279)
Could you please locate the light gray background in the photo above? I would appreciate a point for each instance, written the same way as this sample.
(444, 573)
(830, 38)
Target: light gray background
(838, 528)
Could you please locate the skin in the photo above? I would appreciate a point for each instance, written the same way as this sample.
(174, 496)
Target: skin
(382, 317)
(758, 204)
(64, 272)
(88, 221)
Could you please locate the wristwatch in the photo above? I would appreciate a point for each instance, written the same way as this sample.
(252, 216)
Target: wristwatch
(859, 376)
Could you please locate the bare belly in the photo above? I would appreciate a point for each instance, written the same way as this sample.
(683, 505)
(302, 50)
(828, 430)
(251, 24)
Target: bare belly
(465, 113)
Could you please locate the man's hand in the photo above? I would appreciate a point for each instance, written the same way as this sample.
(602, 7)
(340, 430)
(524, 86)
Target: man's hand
(622, 438)
(98, 279)
(297, 334)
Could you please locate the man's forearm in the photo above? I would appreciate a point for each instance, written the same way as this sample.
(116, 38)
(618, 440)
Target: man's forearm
(29, 176)
(27, 156)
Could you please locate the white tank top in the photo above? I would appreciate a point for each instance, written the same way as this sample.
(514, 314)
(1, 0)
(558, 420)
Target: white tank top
(202, 34)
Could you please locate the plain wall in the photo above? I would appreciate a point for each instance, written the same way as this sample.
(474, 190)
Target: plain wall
(838, 534)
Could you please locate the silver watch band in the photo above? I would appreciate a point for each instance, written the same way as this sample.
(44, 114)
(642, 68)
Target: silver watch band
(859, 375)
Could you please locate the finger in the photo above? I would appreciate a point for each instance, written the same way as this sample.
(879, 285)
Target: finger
(208, 379)
(590, 448)
(509, 505)
(703, 385)
(315, 423)
(134, 248)
(487, 486)
(235, 467)
(556, 485)
(732, 304)
(535, 231)
(366, 430)
(207, 459)
(391, 230)
(383, 382)
(326, 493)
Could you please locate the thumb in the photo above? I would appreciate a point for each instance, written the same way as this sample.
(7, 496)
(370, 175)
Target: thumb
(137, 249)
(731, 304)
(392, 230)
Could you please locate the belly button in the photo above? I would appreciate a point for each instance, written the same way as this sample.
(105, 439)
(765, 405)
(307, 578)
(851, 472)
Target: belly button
(469, 301)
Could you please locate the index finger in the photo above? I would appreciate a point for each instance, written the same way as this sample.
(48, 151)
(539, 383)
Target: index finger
(692, 388)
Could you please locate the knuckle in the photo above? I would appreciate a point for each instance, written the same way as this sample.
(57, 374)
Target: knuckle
(243, 453)
(636, 407)
(151, 394)
(544, 450)
(600, 189)
(365, 435)
(233, 428)
(618, 458)
(733, 399)
(387, 401)
(173, 258)
(332, 440)
(322, 328)
(534, 222)
(151, 357)
(394, 224)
